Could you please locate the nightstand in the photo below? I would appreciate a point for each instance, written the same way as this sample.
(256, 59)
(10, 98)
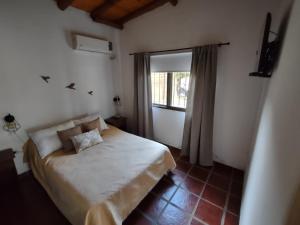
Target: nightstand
(8, 172)
(13, 210)
(119, 122)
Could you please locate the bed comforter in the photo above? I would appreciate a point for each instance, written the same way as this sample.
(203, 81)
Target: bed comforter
(103, 184)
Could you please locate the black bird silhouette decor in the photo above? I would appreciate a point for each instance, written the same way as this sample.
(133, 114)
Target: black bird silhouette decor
(90, 92)
(45, 78)
(71, 86)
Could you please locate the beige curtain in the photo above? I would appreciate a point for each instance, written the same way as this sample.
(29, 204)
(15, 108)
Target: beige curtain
(198, 127)
(143, 121)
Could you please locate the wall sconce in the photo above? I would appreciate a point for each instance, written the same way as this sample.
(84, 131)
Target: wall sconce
(10, 124)
(117, 102)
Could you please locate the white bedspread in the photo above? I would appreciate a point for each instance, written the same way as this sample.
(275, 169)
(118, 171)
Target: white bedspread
(103, 184)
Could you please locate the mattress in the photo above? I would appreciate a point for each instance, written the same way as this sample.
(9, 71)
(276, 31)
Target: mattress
(102, 184)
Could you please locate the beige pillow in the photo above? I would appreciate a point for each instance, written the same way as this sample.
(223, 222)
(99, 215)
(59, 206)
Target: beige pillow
(86, 140)
(65, 137)
(88, 126)
(90, 118)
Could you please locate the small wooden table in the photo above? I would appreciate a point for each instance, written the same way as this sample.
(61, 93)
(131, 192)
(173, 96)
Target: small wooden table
(119, 122)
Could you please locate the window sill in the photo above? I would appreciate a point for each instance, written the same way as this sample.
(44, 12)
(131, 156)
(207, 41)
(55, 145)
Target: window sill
(168, 107)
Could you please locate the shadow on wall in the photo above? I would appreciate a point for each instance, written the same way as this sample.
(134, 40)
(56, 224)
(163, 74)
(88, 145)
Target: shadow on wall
(282, 31)
(293, 214)
(281, 35)
(274, 176)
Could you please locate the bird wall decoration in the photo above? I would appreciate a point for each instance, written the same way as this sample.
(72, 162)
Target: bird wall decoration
(90, 92)
(71, 86)
(46, 78)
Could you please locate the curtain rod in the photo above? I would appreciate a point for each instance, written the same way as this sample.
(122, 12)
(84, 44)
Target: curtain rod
(178, 49)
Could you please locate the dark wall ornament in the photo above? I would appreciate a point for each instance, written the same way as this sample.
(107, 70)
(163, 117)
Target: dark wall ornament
(46, 78)
(270, 50)
(71, 86)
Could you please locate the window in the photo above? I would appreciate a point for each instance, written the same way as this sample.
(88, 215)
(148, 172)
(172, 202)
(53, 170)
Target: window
(170, 89)
(159, 88)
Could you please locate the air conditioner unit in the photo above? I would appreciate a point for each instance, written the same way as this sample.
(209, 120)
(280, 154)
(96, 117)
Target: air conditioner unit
(88, 44)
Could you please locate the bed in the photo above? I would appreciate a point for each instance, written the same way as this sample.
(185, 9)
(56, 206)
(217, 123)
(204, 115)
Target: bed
(103, 184)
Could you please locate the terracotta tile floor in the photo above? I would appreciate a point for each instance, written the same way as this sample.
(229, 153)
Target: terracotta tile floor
(192, 195)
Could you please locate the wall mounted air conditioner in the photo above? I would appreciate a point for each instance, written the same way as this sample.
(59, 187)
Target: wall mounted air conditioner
(88, 44)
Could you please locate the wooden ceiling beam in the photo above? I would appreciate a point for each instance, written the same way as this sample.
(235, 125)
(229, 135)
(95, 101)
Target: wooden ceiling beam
(100, 10)
(151, 6)
(63, 4)
(97, 13)
(174, 2)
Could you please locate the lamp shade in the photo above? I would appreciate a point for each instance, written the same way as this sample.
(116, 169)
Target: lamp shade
(10, 124)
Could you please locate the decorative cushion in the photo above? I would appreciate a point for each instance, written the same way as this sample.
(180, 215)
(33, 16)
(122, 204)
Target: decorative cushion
(88, 126)
(86, 140)
(65, 137)
(47, 140)
(91, 117)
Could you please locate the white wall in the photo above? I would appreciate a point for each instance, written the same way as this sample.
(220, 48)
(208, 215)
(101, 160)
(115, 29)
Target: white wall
(168, 126)
(196, 22)
(275, 169)
(35, 40)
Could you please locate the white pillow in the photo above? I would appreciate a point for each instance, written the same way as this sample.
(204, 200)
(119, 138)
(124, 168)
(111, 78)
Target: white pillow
(92, 117)
(86, 140)
(47, 140)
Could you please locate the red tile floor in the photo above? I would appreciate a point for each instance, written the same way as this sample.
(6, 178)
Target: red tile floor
(192, 195)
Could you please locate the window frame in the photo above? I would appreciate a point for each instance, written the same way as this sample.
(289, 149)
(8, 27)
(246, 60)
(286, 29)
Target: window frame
(169, 94)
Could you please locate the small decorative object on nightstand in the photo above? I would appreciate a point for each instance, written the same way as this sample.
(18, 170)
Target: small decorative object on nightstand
(8, 172)
(119, 122)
